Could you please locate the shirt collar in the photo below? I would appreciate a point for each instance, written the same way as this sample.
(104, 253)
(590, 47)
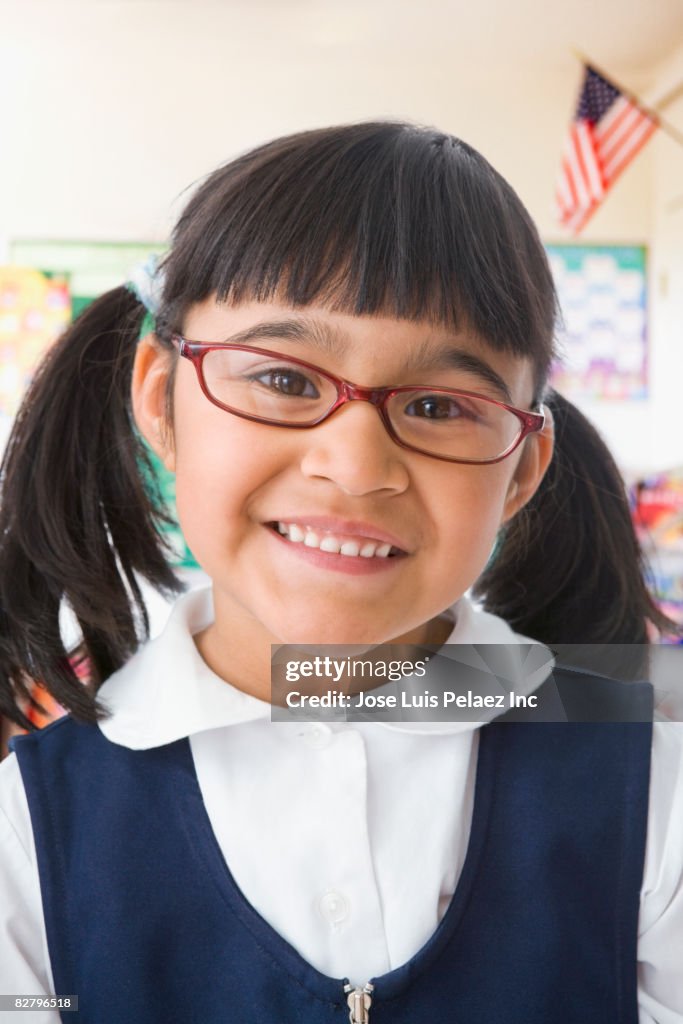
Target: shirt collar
(167, 691)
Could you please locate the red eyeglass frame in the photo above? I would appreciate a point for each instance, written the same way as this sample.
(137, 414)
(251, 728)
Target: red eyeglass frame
(347, 391)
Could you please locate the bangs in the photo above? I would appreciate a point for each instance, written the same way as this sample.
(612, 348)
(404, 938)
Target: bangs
(376, 218)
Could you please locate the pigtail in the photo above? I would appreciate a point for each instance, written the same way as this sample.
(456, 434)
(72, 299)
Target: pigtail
(569, 569)
(77, 521)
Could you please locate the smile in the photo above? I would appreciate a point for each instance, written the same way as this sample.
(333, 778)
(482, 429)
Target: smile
(335, 543)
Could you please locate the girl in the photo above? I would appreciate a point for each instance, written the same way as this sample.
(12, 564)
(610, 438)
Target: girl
(169, 853)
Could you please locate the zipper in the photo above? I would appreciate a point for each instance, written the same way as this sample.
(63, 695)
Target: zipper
(359, 1002)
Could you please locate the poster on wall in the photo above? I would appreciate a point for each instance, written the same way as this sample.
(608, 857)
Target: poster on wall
(90, 268)
(34, 309)
(603, 342)
(38, 303)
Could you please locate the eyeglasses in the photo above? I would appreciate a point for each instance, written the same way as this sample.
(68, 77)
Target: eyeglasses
(268, 387)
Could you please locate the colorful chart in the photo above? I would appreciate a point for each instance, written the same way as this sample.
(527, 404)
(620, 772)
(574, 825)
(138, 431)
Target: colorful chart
(34, 310)
(603, 297)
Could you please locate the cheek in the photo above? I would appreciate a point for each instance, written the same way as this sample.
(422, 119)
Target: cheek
(470, 512)
(222, 472)
(221, 461)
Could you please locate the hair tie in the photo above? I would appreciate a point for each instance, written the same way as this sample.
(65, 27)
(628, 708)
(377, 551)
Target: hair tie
(146, 281)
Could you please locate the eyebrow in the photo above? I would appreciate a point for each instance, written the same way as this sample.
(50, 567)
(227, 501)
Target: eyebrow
(423, 358)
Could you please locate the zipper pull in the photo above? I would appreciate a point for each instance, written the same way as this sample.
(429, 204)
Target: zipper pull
(359, 1003)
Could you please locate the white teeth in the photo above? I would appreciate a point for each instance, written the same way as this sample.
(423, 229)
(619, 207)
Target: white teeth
(331, 544)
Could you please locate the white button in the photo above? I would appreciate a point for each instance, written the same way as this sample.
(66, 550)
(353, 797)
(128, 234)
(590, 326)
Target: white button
(318, 736)
(334, 907)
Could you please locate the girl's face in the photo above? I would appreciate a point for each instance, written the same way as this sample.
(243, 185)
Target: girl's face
(346, 479)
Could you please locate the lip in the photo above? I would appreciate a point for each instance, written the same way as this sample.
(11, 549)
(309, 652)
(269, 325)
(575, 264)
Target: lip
(352, 527)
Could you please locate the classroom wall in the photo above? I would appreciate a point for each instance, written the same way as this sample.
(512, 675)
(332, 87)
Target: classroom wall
(667, 278)
(648, 435)
(116, 107)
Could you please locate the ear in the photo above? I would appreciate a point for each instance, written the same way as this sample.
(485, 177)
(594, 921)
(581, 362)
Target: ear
(537, 452)
(151, 370)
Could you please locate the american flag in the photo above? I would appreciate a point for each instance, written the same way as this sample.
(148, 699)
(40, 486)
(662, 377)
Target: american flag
(608, 130)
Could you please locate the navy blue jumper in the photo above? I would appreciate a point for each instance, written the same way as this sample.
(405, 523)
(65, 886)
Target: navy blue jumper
(147, 926)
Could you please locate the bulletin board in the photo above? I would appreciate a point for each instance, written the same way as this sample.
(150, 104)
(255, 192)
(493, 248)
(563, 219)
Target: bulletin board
(90, 268)
(35, 307)
(71, 274)
(603, 341)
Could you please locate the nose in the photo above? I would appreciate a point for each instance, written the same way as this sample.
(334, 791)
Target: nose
(354, 451)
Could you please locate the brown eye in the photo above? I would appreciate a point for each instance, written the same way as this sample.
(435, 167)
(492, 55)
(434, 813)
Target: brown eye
(435, 407)
(288, 382)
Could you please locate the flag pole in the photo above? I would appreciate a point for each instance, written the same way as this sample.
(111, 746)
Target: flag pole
(652, 111)
(668, 97)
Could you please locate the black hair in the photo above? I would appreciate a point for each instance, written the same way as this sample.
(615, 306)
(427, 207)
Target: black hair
(369, 218)
(569, 568)
(79, 517)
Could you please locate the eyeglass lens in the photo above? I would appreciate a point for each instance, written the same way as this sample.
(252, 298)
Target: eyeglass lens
(278, 391)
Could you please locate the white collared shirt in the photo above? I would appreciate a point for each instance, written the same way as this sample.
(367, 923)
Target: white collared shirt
(326, 827)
